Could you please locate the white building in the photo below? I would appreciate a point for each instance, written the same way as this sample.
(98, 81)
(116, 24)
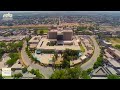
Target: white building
(7, 17)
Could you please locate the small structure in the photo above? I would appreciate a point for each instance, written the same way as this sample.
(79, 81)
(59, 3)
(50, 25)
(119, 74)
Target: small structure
(106, 44)
(83, 57)
(99, 72)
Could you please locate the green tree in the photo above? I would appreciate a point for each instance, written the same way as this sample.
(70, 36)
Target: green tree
(14, 57)
(89, 70)
(74, 73)
(41, 32)
(2, 44)
(65, 64)
(19, 45)
(1, 53)
(37, 73)
(99, 62)
(70, 73)
(56, 55)
(24, 70)
(113, 77)
(16, 76)
(1, 76)
(59, 74)
(84, 75)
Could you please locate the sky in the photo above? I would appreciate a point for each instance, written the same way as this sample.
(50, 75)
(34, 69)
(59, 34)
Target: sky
(62, 11)
(67, 12)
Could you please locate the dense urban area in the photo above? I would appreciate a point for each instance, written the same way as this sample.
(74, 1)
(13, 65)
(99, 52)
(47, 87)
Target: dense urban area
(60, 46)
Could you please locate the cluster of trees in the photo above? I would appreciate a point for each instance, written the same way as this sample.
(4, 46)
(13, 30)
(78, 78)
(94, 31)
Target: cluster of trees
(81, 28)
(37, 73)
(30, 55)
(11, 47)
(70, 73)
(68, 55)
(14, 57)
(99, 62)
(113, 77)
(17, 76)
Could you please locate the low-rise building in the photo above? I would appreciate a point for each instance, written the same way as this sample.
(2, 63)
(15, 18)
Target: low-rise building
(33, 42)
(114, 52)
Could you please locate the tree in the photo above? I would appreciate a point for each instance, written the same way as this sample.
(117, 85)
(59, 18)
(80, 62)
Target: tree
(56, 55)
(99, 62)
(89, 70)
(16, 76)
(66, 64)
(14, 57)
(1, 76)
(2, 44)
(37, 73)
(24, 70)
(84, 75)
(41, 32)
(19, 45)
(1, 53)
(74, 73)
(113, 77)
(59, 74)
(70, 73)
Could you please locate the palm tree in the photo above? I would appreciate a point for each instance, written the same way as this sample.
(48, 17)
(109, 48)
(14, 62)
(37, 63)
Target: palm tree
(54, 59)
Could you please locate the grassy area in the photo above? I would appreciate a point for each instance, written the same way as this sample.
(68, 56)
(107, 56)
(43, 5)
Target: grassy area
(82, 48)
(114, 41)
(44, 30)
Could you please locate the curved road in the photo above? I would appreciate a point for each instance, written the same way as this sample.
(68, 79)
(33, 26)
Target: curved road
(46, 71)
(93, 59)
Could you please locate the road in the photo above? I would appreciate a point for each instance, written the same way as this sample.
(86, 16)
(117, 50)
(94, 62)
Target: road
(93, 59)
(46, 71)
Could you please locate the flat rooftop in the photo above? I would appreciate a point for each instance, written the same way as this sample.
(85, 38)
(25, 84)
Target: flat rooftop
(35, 39)
(117, 52)
(113, 62)
(43, 45)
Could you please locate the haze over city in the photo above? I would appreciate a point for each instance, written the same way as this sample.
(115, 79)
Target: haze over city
(59, 45)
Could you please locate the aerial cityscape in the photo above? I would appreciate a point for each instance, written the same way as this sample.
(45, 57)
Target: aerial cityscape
(59, 44)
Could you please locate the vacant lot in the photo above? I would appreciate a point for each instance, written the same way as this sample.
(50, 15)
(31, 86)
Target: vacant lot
(114, 41)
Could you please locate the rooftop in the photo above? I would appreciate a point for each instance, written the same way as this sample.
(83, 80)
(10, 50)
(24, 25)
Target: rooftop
(99, 72)
(117, 52)
(43, 45)
(35, 39)
(113, 62)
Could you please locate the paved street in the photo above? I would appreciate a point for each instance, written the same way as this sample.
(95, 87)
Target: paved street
(46, 71)
(90, 63)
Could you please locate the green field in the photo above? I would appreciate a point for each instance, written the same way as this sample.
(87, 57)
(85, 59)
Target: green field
(44, 30)
(114, 41)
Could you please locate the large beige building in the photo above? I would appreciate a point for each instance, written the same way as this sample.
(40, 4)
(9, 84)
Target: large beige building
(65, 35)
(52, 34)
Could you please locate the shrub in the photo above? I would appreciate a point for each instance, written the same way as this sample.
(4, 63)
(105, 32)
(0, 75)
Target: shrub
(24, 70)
